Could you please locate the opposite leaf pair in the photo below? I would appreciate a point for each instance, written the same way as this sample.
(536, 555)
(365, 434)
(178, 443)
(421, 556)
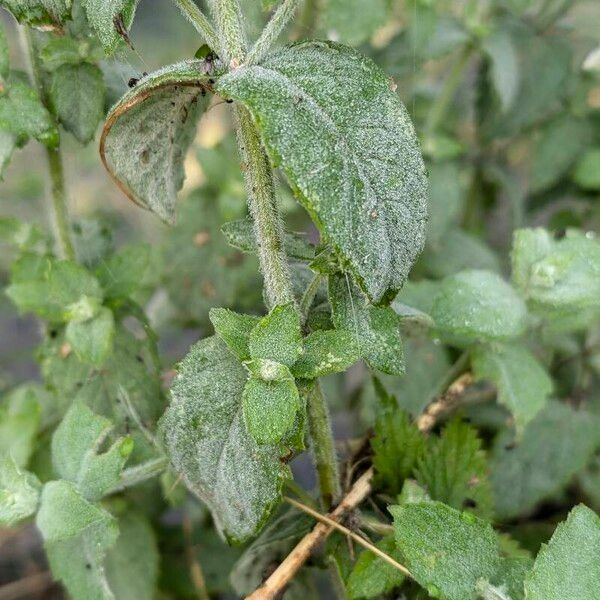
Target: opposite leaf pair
(274, 353)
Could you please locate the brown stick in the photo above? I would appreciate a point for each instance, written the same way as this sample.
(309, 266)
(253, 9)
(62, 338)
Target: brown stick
(286, 571)
(26, 587)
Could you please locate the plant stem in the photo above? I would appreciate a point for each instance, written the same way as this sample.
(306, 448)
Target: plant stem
(230, 23)
(200, 22)
(323, 446)
(135, 475)
(442, 102)
(282, 16)
(268, 228)
(58, 192)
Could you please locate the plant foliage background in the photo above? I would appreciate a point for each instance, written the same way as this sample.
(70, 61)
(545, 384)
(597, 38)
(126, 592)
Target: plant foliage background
(109, 436)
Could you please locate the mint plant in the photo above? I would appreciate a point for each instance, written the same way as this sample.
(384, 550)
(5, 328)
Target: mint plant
(471, 379)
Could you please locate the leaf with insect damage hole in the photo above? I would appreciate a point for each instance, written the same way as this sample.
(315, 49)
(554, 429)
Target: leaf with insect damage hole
(376, 329)
(110, 20)
(210, 448)
(39, 13)
(76, 454)
(148, 132)
(329, 118)
(569, 565)
(77, 535)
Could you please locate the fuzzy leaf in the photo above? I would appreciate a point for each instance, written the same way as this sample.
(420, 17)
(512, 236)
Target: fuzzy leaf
(344, 140)
(371, 577)
(234, 329)
(131, 565)
(106, 17)
(270, 409)
(77, 535)
(453, 469)
(568, 566)
(20, 415)
(277, 336)
(557, 276)
(326, 352)
(53, 289)
(122, 274)
(148, 132)
(446, 551)
(397, 444)
(92, 339)
(477, 306)
(558, 443)
(210, 448)
(522, 382)
(4, 56)
(376, 329)
(39, 13)
(24, 116)
(240, 235)
(75, 452)
(77, 97)
(19, 492)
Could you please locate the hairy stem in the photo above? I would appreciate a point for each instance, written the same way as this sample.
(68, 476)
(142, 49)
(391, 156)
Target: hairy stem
(442, 102)
(309, 295)
(268, 228)
(282, 16)
(58, 194)
(200, 22)
(323, 446)
(230, 23)
(142, 472)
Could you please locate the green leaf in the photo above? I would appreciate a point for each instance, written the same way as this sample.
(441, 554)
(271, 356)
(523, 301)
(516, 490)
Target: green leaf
(20, 416)
(210, 448)
(234, 329)
(376, 329)
(122, 274)
(270, 409)
(505, 68)
(4, 56)
(146, 161)
(23, 115)
(77, 535)
(568, 567)
(446, 551)
(103, 16)
(67, 50)
(453, 469)
(326, 352)
(277, 336)
(77, 97)
(128, 370)
(19, 492)
(397, 444)
(321, 103)
(352, 21)
(587, 170)
(475, 306)
(240, 235)
(371, 577)
(76, 452)
(92, 339)
(557, 276)
(54, 289)
(523, 384)
(39, 13)
(556, 445)
(556, 149)
(131, 565)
